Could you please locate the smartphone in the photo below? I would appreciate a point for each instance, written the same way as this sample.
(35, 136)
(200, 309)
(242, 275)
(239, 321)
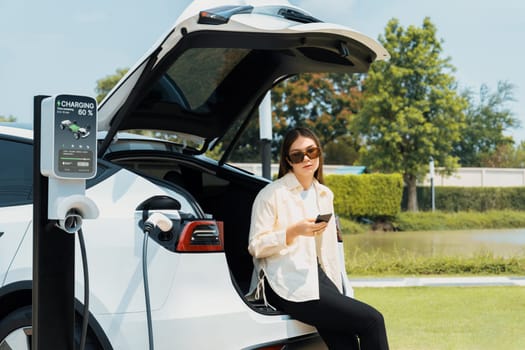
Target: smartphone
(323, 218)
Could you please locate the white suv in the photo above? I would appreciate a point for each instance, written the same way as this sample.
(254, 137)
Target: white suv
(202, 83)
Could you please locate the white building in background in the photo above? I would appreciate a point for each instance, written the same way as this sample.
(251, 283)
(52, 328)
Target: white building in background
(256, 168)
(463, 177)
(481, 177)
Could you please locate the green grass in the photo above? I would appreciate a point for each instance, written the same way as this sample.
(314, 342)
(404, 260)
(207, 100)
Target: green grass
(444, 318)
(424, 221)
(451, 318)
(438, 220)
(402, 263)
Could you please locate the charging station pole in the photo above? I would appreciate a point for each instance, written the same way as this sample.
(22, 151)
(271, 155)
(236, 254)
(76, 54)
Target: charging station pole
(65, 155)
(53, 263)
(265, 135)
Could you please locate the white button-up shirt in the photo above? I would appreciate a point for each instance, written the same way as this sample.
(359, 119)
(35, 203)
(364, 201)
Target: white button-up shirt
(291, 270)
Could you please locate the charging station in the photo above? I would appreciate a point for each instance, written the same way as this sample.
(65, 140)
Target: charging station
(64, 157)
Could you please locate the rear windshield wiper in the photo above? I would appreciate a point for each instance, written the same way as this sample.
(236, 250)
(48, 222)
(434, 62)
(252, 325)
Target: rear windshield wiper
(297, 16)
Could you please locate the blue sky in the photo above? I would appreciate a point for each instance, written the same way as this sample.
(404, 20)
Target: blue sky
(65, 46)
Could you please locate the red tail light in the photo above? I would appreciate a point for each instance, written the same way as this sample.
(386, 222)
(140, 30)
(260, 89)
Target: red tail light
(202, 236)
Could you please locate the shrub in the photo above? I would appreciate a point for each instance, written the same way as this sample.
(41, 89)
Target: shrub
(367, 195)
(470, 198)
(350, 226)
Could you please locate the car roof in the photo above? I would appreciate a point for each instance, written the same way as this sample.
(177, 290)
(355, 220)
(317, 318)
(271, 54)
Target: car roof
(17, 129)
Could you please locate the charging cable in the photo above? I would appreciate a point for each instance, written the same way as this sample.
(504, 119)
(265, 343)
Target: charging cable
(85, 316)
(163, 223)
(71, 224)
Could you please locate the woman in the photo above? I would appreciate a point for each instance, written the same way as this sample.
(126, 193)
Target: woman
(296, 258)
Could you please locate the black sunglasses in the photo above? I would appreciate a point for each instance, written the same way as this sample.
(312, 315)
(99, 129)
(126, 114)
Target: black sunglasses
(297, 157)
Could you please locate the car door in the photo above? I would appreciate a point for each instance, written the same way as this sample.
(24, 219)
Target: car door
(16, 208)
(215, 66)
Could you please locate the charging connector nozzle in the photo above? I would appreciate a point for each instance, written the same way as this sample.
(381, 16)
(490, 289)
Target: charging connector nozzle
(158, 220)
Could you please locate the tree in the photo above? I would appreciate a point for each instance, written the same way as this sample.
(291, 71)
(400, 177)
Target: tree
(343, 150)
(505, 156)
(107, 83)
(411, 110)
(248, 148)
(487, 120)
(324, 102)
(501, 157)
(9, 119)
(518, 156)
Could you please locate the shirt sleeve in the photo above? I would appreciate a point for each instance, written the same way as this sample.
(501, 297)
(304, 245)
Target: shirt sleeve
(265, 238)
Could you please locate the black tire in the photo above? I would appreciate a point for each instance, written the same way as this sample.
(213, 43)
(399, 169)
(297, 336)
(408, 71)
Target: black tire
(16, 328)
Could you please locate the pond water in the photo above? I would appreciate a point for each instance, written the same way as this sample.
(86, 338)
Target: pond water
(506, 243)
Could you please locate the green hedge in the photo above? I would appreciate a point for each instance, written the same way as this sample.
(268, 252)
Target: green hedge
(361, 262)
(463, 220)
(373, 196)
(454, 199)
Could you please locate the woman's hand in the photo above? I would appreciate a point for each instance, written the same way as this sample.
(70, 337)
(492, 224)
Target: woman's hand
(306, 227)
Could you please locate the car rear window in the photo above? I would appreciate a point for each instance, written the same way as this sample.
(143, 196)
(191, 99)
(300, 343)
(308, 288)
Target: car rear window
(214, 64)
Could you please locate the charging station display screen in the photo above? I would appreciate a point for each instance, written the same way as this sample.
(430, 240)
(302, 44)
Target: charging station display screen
(75, 135)
(75, 161)
(70, 147)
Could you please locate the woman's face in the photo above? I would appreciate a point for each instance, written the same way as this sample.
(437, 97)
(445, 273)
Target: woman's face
(308, 166)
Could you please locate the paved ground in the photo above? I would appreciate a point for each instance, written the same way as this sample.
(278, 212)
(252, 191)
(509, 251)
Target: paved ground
(437, 281)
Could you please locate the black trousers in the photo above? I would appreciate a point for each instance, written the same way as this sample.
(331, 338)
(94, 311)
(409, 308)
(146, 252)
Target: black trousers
(342, 322)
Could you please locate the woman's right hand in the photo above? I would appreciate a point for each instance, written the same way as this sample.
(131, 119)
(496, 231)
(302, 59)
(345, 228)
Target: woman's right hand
(306, 227)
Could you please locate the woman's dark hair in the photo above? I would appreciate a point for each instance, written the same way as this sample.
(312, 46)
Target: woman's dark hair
(289, 139)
